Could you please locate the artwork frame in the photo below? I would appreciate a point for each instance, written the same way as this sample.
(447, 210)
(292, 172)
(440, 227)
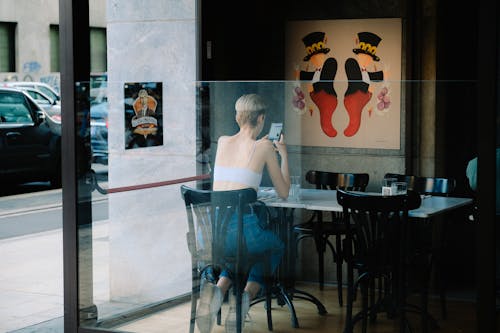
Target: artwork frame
(341, 47)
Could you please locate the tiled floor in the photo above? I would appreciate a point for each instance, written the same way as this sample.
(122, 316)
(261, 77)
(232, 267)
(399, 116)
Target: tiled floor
(461, 318)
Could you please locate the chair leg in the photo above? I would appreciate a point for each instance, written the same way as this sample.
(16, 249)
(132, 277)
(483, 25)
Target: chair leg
(365, 308)
(442, 283)
(194, 298)
(372, 300)
(269, 283)
(219, 314)
(340, 260)
(193, 314)
(268, 310)
(424, 301)
(350, 300)
(239, 319)
(320, 249)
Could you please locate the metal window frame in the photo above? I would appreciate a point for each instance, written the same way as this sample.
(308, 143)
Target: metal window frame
(75, 67)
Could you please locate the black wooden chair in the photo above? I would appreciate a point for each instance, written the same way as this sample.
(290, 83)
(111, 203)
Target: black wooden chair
(208, 216)
(320, 229)
(429, 252)
(376, 249)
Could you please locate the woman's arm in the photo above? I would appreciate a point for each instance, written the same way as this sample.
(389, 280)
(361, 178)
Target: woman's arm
(279, 173)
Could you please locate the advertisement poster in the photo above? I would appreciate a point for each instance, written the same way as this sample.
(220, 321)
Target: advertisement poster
(143, 114)
(345, 83)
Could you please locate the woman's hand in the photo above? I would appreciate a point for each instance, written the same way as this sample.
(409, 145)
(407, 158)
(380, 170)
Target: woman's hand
(280, 145)
(278, 171)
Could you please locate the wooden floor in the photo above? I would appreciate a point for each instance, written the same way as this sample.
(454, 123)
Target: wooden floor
(461, 317)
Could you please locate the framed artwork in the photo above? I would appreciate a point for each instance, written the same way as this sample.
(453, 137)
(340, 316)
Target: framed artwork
(143, 114)
(344, 83)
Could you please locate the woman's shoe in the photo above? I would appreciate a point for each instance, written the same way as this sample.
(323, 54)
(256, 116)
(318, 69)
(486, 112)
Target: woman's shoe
(208, 306)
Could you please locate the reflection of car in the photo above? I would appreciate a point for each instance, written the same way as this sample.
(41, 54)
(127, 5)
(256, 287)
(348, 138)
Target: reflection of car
(43, 100)
(98, 87)
(43, 87)
(51, 107)
(99, 131)
(30, 150)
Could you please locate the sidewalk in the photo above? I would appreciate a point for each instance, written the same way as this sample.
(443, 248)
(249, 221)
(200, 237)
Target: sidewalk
(31, 283)
(31, 266)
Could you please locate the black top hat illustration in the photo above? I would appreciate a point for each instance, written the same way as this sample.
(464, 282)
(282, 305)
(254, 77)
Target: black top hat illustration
(315, 43)
(368, 43)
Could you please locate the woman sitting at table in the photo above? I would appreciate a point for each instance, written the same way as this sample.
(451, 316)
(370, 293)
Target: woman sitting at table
(239, 163)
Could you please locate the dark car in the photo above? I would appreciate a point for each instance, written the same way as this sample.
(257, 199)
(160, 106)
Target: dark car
(30, 149)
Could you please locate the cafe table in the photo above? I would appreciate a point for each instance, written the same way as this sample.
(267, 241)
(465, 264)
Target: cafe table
(326, 200)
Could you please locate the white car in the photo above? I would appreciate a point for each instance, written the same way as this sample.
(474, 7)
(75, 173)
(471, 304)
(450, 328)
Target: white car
(43, 87)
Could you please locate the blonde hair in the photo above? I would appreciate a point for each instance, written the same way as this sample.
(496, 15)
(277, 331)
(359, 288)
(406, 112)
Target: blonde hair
(248, 109)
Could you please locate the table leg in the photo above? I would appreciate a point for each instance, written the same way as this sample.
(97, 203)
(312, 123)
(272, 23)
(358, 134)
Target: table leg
(286, 275)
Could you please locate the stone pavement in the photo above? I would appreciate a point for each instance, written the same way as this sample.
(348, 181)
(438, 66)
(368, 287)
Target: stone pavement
(31, 266)
(31, 282)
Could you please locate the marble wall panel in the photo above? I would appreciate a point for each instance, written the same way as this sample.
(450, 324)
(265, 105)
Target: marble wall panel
(150, 10)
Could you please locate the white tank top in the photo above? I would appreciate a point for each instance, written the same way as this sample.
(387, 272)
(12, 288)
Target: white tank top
(239, 175)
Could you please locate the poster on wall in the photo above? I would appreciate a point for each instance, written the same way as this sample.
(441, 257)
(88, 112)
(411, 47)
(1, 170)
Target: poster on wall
(344, 83)
(143, 114)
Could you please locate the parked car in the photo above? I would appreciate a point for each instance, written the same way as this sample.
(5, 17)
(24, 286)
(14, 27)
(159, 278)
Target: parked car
(42, 99)
(99, 131)
(43, 87)
(51, 107)
(30, 149)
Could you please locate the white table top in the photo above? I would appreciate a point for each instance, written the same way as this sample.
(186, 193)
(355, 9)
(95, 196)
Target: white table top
(326, 200)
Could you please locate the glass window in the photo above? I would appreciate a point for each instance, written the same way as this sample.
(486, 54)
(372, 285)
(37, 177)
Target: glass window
(7, 47)
(98, 61)
(54, 48)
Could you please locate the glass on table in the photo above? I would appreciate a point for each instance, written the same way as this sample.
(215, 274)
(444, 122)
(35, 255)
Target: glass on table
(387, 185)
(398, 188)
(294, 193)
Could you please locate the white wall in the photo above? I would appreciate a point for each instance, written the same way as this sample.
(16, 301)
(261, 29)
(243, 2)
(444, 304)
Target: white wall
(151, 41)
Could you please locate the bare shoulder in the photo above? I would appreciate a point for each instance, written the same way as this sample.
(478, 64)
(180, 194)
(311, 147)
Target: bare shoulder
(222, 139)
(265, 146)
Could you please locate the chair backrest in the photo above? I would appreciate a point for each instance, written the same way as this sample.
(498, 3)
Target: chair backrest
(378, 222)
(209, 214)
(426, 185)
(326, 180)
(435, 185)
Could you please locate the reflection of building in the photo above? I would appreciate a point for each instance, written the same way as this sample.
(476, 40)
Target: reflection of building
(30, 40)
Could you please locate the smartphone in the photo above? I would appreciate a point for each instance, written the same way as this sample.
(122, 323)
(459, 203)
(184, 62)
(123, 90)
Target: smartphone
(275, 131)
